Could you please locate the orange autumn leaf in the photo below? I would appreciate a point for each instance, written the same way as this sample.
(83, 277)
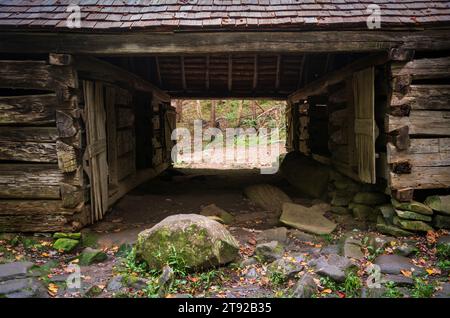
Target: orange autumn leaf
(327, 291)
(406, 273)
(52, 289)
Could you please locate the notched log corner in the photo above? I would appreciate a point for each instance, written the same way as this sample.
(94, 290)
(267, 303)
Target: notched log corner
(67, 157)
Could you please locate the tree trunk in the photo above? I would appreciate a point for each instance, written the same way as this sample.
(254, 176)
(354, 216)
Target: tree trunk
(199, 109)
(212, 122)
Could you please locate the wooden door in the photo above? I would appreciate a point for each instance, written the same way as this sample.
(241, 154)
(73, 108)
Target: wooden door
(96, 153)
(365, 127)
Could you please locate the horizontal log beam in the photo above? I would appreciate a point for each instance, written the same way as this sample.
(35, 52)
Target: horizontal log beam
(29, 134)
(424, 97)
(28, 151)
(421, 122)
(422, 153)
(423, 68)
(33, 109)
(321, 85)
(219, 42)
(24, 181)
(93, 68)
(36, 75)
(421, 178)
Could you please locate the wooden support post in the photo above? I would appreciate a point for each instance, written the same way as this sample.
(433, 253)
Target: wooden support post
(158, 72)
(255, 72)
(230, 73)
(278, 71)
(183, 74)
(207, 73)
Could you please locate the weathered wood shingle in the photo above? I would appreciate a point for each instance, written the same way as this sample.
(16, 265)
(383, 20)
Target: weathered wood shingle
(224, 14)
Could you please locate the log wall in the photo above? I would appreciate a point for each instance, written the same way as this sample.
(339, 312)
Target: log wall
(41, 183)
(418, 125)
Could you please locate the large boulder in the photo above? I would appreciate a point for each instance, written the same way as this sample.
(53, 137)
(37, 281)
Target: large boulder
(308, 219)
(199, 241)
(412, 206)
(267, 196)
(307, 175)
(439, 203)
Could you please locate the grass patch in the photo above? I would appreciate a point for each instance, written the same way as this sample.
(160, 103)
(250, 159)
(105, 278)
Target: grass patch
(392, 291)
(277, 278)
(422, 288)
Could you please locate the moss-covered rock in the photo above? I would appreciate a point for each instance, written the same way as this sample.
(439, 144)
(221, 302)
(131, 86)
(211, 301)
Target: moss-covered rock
(364, 213)
(413, 206)
(73, 236)
(418, 226)
(90, 256)
(191, 240)
(65, 244)
(390, 229)
(439, 203)
(409, 215)
(441, 221)
(369, 198)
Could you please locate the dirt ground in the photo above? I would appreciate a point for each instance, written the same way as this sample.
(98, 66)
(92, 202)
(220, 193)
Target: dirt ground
(179, 191)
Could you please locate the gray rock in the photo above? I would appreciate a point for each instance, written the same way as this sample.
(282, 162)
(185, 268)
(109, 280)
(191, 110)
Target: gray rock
(405, 249)
(302, 236)
(165, 281)
(22, 288)
(367, 292)
(444, 291)
(277, 234)
(267, 196)
(252, 273)
(214, 211)
(418, 226)
(364, 212)
(305, 288)
(288, 266)
(441, 221)
(394, 264)
(249, 261)
(340, 210)
(14, 270)
(387, 211)
(399, 280)
(308, 219)
(444, 240)
(115, 283)
(389, 229)
(269, 252)
(352, 249)
(341, 199)
(333, 266)
(330, 249)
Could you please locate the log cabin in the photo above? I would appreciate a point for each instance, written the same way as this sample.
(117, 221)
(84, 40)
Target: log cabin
(85, 111)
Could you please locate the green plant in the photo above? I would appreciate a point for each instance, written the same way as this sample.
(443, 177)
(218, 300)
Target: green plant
(352, 285)
(328, 238)
(277, 278)
(392, 291)
(374, 252)
(443, 251)
(133, 265)
(444, 264)
(328, 283)
(177, 262)
(422, 288)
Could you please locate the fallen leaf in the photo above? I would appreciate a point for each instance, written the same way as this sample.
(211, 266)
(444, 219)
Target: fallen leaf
(433, 271)
(45, 254)
(52, 289)
(327, 291)
(406, 273)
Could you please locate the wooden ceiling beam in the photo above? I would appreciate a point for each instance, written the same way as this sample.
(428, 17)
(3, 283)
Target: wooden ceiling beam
(300, 71)
(120, 43)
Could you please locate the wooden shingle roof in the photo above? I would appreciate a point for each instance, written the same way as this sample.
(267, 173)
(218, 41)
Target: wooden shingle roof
(222, 14)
